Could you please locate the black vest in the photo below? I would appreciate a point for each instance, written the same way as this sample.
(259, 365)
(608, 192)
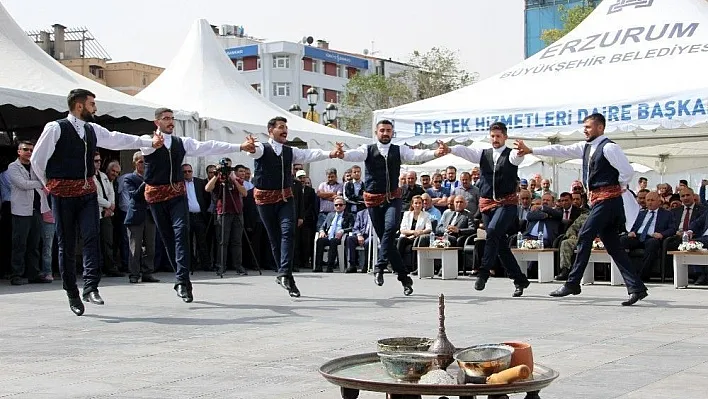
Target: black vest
(271, 171)
(73, 157)
(382, 173)
(496, 182)
(157, 164)
(600, 173)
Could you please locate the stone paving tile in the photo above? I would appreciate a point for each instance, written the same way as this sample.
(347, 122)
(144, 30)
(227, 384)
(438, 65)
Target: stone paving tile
(244, 338)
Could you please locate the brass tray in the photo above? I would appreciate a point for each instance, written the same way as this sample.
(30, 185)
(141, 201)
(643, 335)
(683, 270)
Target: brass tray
(366, 373)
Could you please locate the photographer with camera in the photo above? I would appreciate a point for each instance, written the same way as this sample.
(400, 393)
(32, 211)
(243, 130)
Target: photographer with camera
(228, 191)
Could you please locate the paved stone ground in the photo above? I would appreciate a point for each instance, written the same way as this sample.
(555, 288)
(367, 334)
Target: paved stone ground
(243, 337)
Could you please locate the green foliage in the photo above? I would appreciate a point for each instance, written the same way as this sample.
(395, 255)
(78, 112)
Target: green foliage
(364, 94)
(571, 18)
(439, 72)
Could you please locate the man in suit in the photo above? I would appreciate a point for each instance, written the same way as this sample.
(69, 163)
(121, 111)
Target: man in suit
(309, 217)
(336, 226)
(354, 192)
(649, 230)
(698, 231)
(141, 227)
(568, 211)
(683, 216)
(360, 237)
(523, 209)
(456, 223)
(543, 218)
(198, 217)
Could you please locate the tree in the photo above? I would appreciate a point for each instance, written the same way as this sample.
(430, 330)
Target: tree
(570, 18)
(364, 94)
(439, 71)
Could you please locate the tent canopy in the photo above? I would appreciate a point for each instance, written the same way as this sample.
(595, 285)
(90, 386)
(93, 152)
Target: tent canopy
(34, 86)
(640, 63)
(201, 77)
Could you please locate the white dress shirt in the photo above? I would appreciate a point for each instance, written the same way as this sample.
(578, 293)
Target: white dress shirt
(360, 153)
(192, 201)
(612, 152)
(652, 226)
(44, 148)
(475, 154)
(299, 155)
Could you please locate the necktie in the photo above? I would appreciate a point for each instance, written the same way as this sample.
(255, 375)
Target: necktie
(586, 165)
(333, 227)
(645, 232)
(686, 219)
(565, 217)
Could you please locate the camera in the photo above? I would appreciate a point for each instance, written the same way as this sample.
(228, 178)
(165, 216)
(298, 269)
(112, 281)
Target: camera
(224, 169)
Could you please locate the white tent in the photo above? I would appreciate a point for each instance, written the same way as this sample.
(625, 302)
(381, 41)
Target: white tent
(641, 63)
(34, 86)
(201, 77)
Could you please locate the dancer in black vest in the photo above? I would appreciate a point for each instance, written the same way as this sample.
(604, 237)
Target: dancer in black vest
(63, 161)
(498, 167)
(165, 192)
(606, 175)
(382, 195)
(273, 181)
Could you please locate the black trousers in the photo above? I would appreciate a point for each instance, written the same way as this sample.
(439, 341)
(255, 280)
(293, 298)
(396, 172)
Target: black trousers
(201, 258)
(106, 232)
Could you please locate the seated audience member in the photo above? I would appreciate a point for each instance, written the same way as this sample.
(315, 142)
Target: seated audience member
(456, 223)
(335, 226)
(415, 223)
(359, 237)
(543, 218)
(649, 230)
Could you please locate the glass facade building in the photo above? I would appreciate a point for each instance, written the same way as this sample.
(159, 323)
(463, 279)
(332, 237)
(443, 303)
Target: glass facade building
(540, 15)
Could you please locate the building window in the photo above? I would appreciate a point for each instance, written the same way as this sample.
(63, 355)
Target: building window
(257, 87)
(258, 64)
(281, 89)
(340, 71)
(330, 69)
(331, 96)
(281, 62)
(239, 65)
(315, 66)
(96, 71)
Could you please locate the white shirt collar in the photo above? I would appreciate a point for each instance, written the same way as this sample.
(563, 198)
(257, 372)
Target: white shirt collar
(499, 150)
(597, 140)
(276, 146)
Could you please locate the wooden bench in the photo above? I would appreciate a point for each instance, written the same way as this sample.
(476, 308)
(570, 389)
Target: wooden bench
(682, 259)
(544, 257)
(601, 256)
(448, 256)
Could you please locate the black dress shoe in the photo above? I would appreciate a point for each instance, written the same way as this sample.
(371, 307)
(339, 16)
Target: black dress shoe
(133, 280)
(94, 298)
(563, 275)
(329, 270)
(480, 283)
(184, 293)
(317, 269)
(520, 288)
(634, 298)
(148, 278)
(407, 286)
(350, 269)
(378, 278)
(565, 290)
(76, 306)
(293, 291)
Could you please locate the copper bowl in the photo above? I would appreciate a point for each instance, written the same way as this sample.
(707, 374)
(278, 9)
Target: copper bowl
(404, 344)
(484, 360)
